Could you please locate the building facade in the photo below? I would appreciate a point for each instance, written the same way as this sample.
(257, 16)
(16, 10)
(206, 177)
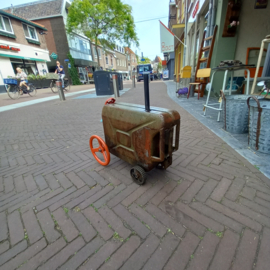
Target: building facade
(189, 22)
(53, 15)
(22, 44)
(131, 60)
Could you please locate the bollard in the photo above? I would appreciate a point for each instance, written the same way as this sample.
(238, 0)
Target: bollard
(115, 85)
(60, 90)
(133, 80)
(146, 91)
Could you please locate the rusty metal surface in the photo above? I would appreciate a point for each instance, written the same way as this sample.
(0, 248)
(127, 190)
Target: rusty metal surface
(140, 137)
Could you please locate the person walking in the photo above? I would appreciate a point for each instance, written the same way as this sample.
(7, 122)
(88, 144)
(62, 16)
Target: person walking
(61, 73)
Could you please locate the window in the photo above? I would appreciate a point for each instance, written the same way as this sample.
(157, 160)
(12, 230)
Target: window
(111, 60)
(95, 52)
(106, 59)
(5, 24)
(99, 53)
(30, 32)
(128, 57)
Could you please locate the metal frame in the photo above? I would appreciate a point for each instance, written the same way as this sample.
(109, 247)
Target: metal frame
(210, 106)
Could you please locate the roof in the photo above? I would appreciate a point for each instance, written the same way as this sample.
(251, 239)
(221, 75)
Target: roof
(128, 50)
(157, 59)
(7, 13)
(38, 9)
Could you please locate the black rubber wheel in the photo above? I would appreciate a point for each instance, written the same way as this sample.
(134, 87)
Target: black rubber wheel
(32, 90)
(53, 86)
(138, 175)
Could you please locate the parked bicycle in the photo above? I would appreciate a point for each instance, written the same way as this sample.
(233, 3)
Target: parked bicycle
(14, 90)
(55, 88)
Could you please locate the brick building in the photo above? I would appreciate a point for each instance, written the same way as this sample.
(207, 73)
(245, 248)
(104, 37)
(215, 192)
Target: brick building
(22, 44)
(131, 59)
(53, 15)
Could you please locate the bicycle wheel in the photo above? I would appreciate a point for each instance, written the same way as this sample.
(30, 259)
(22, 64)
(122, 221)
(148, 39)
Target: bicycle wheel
(67, 85)
(54, 87)
(13, 91)
(32, 91)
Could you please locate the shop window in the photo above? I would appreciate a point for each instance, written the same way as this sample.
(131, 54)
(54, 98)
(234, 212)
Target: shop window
(111, 60)
(30, 32)
(99, 53)
(5, 24)
(107, 60)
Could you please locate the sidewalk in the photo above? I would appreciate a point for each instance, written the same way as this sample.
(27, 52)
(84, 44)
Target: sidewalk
(60, 210)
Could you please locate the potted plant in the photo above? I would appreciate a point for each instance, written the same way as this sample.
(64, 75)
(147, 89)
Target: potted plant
(32, 79)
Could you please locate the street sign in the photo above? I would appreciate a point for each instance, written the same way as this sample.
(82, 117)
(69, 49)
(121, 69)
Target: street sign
(66, 60)
(54, 56)
(69, 65)
(142, 59)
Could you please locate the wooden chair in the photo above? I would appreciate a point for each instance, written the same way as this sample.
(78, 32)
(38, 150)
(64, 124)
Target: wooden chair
(201, 73)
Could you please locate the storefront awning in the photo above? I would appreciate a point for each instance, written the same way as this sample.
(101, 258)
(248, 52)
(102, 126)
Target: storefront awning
(178, 29)
(85, 63)
(22, 57)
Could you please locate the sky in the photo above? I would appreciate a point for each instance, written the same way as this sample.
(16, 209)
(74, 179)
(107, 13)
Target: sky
(147, 32)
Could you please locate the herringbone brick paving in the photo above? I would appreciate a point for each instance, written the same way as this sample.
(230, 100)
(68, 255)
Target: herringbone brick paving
(59, 209)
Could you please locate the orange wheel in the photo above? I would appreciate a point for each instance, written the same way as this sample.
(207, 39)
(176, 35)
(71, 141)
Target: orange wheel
(110, 101)
(103, 148)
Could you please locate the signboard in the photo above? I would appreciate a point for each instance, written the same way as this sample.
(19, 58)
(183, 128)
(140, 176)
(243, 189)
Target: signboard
(166, 39)
(66, 60)
(142, 59)
(9, 48)
(195, 10)
(166, 74)
(54, 56)
(69, 65)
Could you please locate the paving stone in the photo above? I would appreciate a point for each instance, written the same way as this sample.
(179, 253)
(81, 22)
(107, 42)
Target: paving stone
(256, 207)
(15, 226)
(162, 253)
(110, 178)
(25, 255)
(75, 179)
(206, 190)
(63, 180)
(225, 252)
(87, 179)
(82, 198)
(165, 219)
(263, 196)
(30, 183)
(246, 252)
(183, 219)
(234, 215)
(98, 178)
(181, 175)
(114, 221)
(235, 189)
(262, 202)
(204, 253)
(19, 184)
(32, 227)
(142, 254)
(52, 181)
(4, 246)
(209, 212)
(42, 184)
(81, 256)
(148, 220)
(263, 259)
(47, 225)
(85, 228)
(63, 255)
(13, 252)
(109, 195)
(47, 203)
(248, 193)
(3, 226)
(122, 254)
(98, 222)
(221, 189)
(65, 224)
(181, 256)
(44, 255)
(95, 197)
(192, 191)
(133, 222)
(100, 257)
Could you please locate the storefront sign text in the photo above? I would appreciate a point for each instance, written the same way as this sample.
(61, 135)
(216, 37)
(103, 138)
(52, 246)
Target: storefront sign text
(166, 48)
(9, 48)
(196, 8)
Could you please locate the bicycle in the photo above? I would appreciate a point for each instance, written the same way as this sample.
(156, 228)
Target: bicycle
(55, 88)
(14, 88)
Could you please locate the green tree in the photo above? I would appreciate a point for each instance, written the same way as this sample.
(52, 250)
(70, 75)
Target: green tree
(105, 22)
(73, 73)
(159, 67)
(147, 60)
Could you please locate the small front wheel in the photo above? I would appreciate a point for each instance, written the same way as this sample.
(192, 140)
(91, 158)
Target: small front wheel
(138, 175)
(102, 148)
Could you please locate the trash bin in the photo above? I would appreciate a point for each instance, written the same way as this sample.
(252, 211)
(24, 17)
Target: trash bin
(259, 129)
(103, 83)
(119, 79)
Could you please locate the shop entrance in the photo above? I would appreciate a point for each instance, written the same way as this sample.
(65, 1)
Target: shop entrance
(28, 66)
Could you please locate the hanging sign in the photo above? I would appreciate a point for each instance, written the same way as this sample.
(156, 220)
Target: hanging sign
(54, 56)
(166, 74)
(166, 39)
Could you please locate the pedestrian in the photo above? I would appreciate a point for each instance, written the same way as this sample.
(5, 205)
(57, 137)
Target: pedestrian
(61, 73)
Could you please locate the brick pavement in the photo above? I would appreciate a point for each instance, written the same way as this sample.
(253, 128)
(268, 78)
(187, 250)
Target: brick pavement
(59, 209)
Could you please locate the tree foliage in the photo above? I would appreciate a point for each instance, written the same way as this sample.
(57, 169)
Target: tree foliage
(105, 22)
(147, 60)
(73, 73)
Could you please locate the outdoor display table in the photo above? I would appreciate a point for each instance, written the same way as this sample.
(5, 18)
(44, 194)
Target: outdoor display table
(226, 70)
